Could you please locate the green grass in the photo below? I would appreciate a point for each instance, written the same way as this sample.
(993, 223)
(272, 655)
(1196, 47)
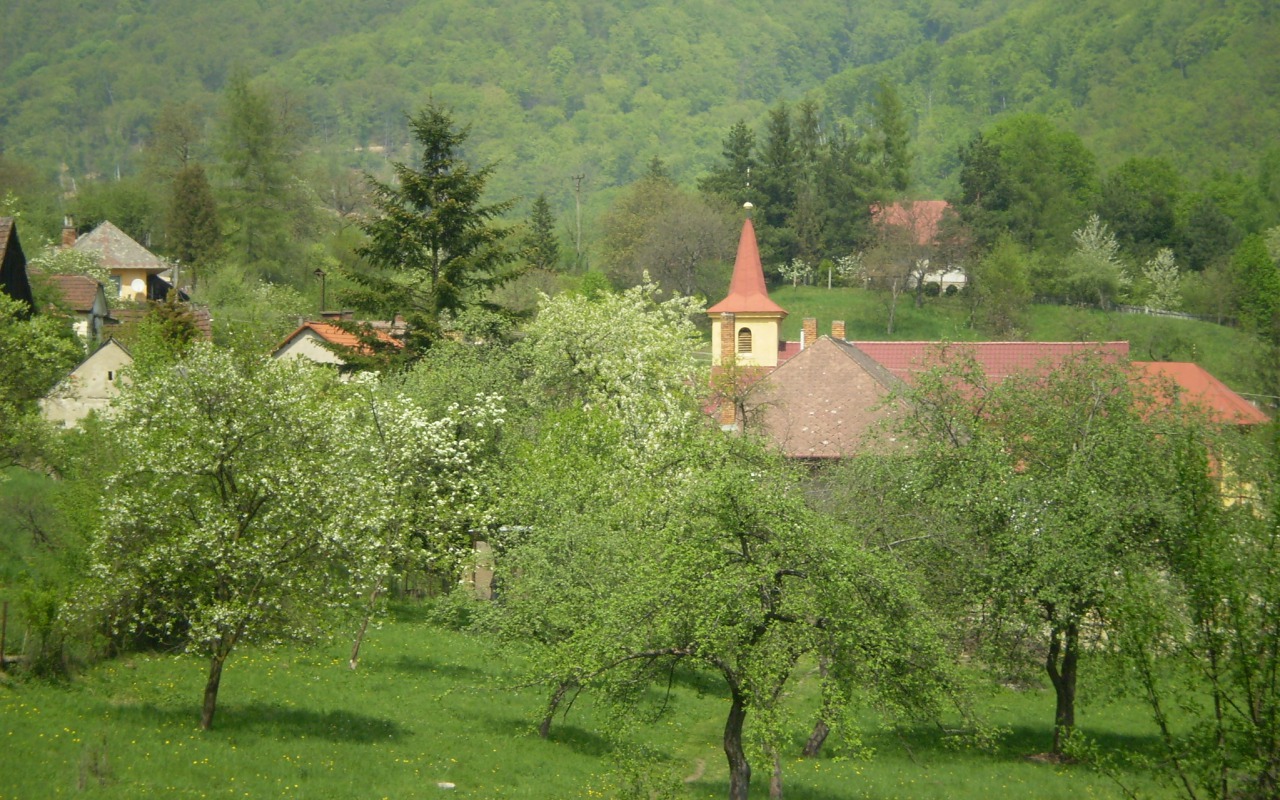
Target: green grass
(428, 706)
(1232, 356)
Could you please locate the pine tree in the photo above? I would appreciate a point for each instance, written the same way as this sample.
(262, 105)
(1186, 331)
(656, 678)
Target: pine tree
(892, 137)
(541, 245)
(733, 180)
(432, 246)
(192, 221)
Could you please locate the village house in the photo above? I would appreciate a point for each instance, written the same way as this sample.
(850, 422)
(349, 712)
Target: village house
(89, 387)
(86, 300)
(323, 342)
(135, 272)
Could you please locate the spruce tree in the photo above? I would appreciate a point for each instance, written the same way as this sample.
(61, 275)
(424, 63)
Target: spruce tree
(541, 245)
(192, 221)
(433, 249)
(733, 179)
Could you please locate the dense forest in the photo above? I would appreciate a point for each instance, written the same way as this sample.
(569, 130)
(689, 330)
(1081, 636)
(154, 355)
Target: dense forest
(555, 90)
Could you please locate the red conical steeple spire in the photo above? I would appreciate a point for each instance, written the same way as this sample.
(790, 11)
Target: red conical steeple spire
(747, 290)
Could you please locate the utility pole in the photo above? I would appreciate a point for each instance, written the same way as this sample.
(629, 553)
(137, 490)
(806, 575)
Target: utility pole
(577, 207)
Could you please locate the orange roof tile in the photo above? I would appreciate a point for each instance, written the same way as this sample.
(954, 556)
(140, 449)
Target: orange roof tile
(922, 216)
(747, 290)
(77, 291)
(338, 337)
(1202, 389)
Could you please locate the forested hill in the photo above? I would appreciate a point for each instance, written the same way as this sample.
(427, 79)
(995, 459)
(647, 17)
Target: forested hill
(557, 88)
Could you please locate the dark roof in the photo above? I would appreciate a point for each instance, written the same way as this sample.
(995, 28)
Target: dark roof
(117, 251)
(747, 291)
(13, 265)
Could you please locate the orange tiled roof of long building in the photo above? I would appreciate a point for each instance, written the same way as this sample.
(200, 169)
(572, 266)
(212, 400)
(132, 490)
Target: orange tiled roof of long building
(998, 360)
(747, 290)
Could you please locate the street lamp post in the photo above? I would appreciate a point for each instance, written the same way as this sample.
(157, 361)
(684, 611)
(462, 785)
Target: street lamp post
(319, 273)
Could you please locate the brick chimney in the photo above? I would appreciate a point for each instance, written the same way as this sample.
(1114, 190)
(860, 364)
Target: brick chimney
(68, 232)
(837, 330)
(809, 332)
(728, 413)
(728, 336)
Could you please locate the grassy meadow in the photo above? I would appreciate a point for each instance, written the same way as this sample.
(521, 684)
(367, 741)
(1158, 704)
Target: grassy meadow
(431, 706)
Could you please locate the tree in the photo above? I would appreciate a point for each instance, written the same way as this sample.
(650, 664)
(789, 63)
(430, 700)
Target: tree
(1203, 625)
(710, 536)
(678, 239)
(433, 248)
(1165, 278)
(1027, 177)
(193, 237)
(1060, 477)
(1259, 278)
(1093, 271)
(890, 142)
(1139, 201)
(778, 182)
(1001, 288)
(259, 137)
(36, 350)
(541, 245)
(231, 516)
(732, 180)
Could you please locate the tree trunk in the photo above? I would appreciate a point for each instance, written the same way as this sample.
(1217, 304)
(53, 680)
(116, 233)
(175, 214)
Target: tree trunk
(820, 728)
(364, 627)
(775, 780)
(1064, 650)
(739, 769)
(211, 690)
(544, 729)
(816, 739)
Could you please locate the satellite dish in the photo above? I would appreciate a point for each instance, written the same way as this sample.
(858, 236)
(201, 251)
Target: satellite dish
(138, 286)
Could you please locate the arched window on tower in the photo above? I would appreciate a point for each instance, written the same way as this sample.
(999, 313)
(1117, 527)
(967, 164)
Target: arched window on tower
(744, 340)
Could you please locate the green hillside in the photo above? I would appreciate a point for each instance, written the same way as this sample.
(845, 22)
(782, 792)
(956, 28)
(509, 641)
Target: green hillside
(564, 88)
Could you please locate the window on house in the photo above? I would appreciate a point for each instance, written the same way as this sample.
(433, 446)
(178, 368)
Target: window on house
(744, 340)
(111, 376)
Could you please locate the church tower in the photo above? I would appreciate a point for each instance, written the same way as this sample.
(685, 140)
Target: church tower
(746, 325)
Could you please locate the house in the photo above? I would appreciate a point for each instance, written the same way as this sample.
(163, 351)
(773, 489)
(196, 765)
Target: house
(86, 299)
(826, 397)
(13, 265)
(89, 387)
(316, 341)
(918, 224)
(135, 271)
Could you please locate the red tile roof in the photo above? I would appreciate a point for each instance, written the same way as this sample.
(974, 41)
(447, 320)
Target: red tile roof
(338, 337)
(117, 250)
(826, 402)
(204, 322)
(1201, 389)
(999, 360)
(77, 291)
(747, 290)
(922, 216)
